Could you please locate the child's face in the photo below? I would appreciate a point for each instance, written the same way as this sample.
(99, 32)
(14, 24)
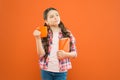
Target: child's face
(53, 18)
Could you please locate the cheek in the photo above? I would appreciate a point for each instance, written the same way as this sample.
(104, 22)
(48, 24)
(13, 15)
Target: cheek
(49, 21)
(59, 22)
(59, 19)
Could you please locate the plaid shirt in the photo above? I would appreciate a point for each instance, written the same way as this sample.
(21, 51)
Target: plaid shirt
(64, 64)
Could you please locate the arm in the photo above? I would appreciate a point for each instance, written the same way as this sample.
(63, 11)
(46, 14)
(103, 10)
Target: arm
(40, 49)
(39, 46)
(62, 54)
(72, 54)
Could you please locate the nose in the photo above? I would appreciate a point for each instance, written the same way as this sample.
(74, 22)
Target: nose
(55, 17)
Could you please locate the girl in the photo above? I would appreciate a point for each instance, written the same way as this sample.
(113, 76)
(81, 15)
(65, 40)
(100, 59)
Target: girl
(54, 63)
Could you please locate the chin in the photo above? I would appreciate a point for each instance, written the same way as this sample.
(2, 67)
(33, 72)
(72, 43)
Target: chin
(54, 25)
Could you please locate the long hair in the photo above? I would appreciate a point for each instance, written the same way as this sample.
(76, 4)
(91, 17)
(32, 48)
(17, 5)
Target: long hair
(45, 40)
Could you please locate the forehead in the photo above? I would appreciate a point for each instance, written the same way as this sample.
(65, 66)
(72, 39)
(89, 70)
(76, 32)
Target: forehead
(52, 12)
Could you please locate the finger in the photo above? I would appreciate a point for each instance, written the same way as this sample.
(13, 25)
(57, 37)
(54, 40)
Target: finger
(59, 57)
(36, 33)
(60, 50)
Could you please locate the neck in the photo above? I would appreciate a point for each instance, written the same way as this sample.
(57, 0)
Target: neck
(55, 28)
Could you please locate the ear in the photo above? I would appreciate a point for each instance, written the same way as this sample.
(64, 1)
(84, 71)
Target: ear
(46, 22)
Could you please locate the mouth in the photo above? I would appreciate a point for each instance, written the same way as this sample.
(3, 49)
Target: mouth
(57, 21)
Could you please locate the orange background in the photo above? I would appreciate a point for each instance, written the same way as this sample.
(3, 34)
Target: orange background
(94, 23)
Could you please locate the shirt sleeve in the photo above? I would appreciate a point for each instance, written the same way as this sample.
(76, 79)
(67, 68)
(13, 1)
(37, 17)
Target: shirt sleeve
(73, 44)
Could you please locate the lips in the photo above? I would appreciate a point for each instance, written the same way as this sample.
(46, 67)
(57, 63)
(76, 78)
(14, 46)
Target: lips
(56, 21)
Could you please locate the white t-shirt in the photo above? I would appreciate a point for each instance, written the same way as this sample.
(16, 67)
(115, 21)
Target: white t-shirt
(53, 64)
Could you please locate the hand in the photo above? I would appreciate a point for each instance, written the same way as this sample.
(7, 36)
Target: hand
(36, 33)
(61, 54)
